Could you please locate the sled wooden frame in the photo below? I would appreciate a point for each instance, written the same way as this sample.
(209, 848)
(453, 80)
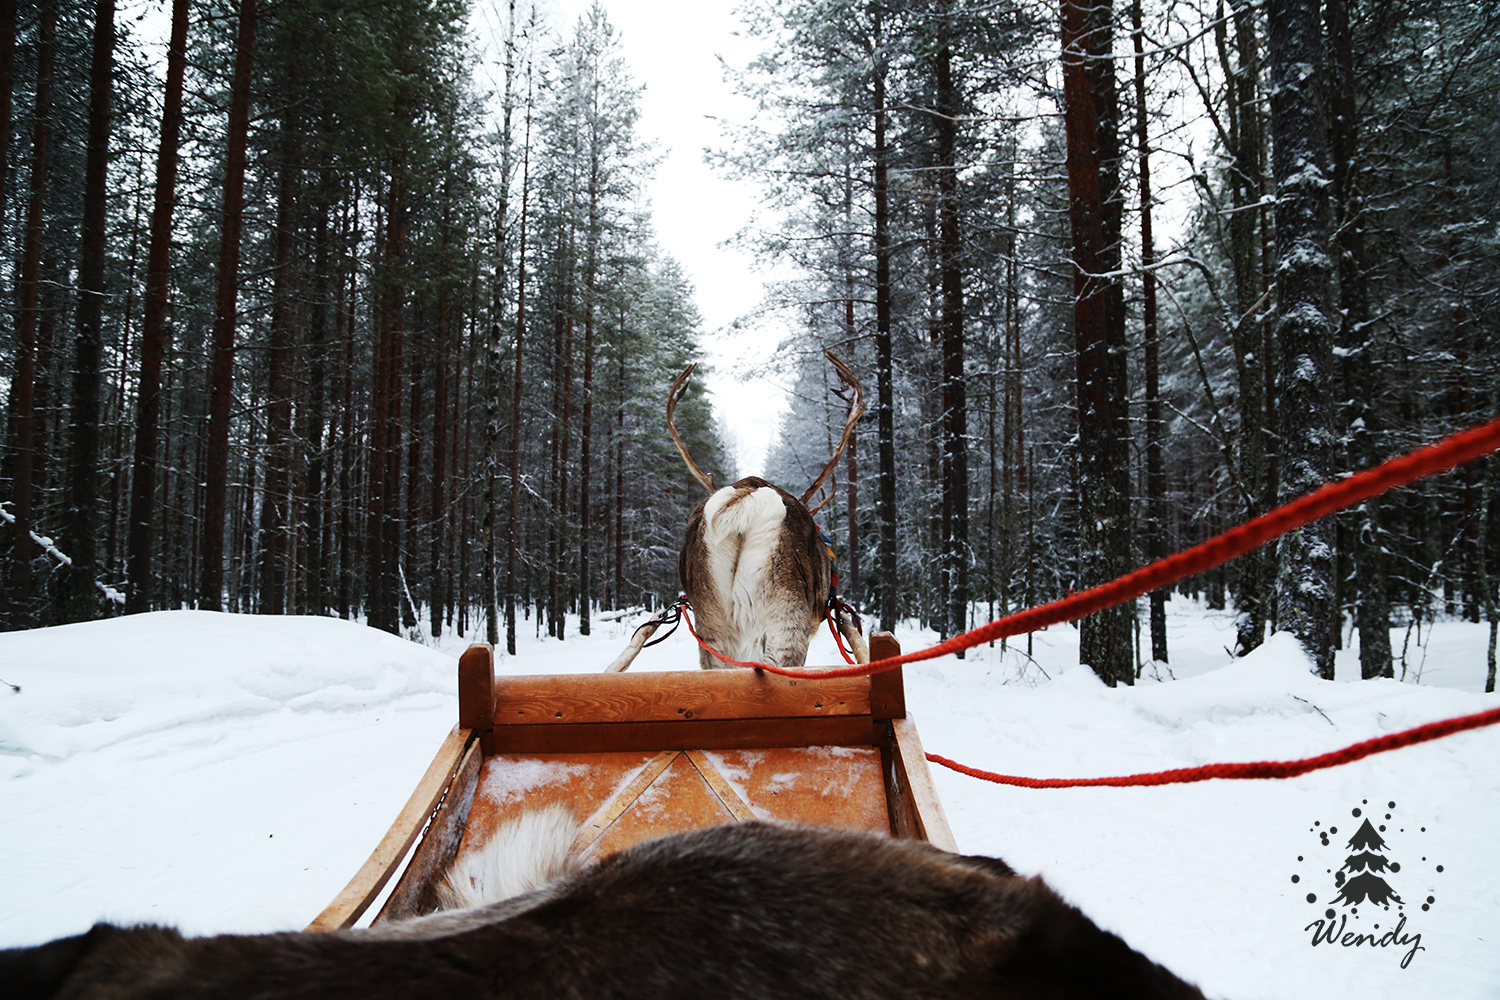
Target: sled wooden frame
(678, 714)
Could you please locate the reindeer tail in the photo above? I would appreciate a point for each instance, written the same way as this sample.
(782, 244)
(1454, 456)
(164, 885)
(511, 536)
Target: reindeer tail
(525, 854)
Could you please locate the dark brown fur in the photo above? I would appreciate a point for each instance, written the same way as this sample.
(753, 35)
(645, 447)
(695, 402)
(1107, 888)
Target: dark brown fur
(746, 911)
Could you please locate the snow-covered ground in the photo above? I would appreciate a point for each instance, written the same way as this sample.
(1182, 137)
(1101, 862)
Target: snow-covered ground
(229, 773)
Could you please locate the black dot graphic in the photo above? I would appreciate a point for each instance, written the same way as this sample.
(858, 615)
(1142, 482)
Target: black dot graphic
(1382, 828)
(1311, 898)
(1333, 829)
(1439, 867)
(1387, 815)
(1390, 805)
(1299, 857)
(1426, 907)
(1431, 899)
(1365, 801)
(1395, 866)
(1296, 878)
(1317, 822)
(1329, 914)
(1356, 812)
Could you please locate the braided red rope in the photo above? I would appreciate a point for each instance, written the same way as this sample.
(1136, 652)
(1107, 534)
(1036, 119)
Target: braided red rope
(1254, 769)
(839, 639)
(1454, 450)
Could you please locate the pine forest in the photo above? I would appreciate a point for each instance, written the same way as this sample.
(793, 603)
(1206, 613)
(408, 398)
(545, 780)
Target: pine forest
(356, 308)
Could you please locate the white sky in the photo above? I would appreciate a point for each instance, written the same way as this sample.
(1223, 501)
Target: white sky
(673, 49)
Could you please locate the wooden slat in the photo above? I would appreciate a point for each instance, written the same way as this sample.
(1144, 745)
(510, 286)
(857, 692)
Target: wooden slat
(887, 689)
(476, 693)
(729, 734)
(841, 787)
(915, 785)
(569, 699)
(372, 876)
(678, 801)
(722, 789)
(415, 892)
(606, 814)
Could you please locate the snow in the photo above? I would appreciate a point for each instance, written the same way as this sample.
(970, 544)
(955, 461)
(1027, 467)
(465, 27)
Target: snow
(230, 773)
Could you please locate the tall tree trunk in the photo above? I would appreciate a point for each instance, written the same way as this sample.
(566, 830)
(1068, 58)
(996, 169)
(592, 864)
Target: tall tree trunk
(955, 403)
(512, 523)
(395, 320)
(1245, 142)
(216, 459)
(436, 574)
(275, 507)
(619, 567)
(1304, 330)
(347, 529)
(319, 485)
(376, 457)
(492, 354)
(1487, 581)
(1156, 476)
(79, 600)
(1104, 516)
(383, 533)
(586, 431)
(885, 412)
(585, 457)
(140, 538)
(23, 386)
(850, 581)
(412, 522)
(1361, 419)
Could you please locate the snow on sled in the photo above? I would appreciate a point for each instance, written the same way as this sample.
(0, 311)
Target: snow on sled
(643, 755)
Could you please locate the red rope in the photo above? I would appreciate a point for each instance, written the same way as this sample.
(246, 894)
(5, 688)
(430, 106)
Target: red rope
(1457, 449)
(837, 638)
(1253, 769)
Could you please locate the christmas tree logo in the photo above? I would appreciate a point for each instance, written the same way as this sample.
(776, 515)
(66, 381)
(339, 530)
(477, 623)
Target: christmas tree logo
(1367, 880)
(1363, 880)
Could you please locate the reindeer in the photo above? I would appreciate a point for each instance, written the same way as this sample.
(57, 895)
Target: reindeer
(747, 911)
(753, 564)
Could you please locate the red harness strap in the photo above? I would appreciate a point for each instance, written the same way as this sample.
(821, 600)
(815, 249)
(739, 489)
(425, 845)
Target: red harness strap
(1253, 769)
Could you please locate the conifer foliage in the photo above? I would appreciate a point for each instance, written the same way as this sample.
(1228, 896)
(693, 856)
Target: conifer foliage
(340, 311)
(1289, 274)
(311, 248)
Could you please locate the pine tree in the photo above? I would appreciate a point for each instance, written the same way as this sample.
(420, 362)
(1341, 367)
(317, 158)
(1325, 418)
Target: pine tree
(1304, 331)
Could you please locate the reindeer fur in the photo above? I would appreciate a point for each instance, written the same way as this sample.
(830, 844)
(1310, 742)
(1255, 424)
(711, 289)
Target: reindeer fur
(756, 572)
(753, 910)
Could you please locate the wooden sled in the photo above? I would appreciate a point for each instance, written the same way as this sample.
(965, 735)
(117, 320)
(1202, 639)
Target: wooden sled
(646, 754)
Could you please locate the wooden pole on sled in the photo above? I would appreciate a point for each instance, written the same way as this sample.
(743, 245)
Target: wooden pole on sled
(856, 641)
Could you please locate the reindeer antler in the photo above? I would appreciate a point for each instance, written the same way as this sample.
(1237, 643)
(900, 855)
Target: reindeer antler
(674, 394)
(856, 408)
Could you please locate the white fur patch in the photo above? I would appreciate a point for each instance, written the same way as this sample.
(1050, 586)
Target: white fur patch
(740, 540)
(530, 851)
